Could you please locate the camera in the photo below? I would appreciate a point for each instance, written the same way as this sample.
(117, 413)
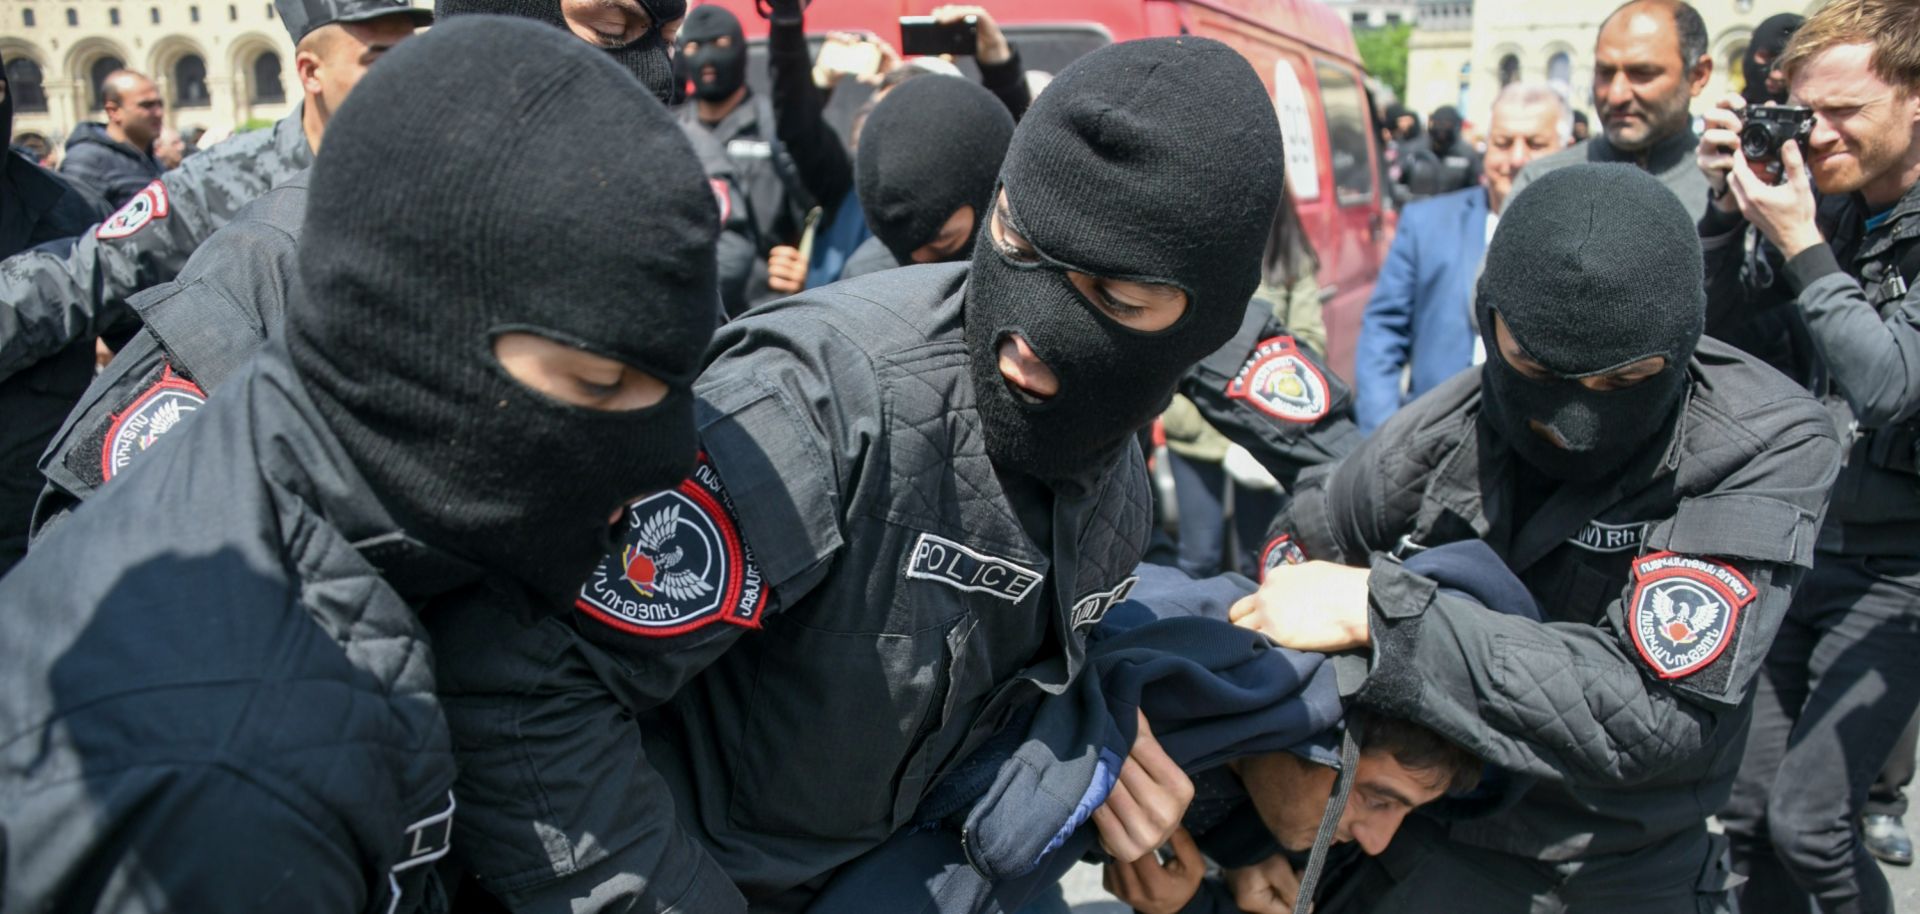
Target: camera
(1768, 127)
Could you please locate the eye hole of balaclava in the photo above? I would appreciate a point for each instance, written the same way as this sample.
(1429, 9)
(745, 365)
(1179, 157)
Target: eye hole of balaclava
(571, 374)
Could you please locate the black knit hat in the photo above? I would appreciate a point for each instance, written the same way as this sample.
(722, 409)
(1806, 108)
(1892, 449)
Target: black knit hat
(931, 146)
(1594, 268)
(646, 57)
(570, 207)
(1154, 161)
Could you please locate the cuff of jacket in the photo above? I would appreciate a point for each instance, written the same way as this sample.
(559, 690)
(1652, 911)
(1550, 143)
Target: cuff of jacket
(1397, 602)
(1717, 228)
(1810, 265)
(1002, 75)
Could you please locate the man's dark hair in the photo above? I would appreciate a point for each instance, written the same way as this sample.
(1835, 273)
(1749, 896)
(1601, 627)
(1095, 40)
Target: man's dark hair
(1417, 748)
(1692, 29)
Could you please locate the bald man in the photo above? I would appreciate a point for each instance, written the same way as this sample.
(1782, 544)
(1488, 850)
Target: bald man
(116, 159)
(1649, 63)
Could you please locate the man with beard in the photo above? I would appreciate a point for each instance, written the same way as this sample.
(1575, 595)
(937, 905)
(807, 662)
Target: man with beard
(926, 164)
(1658, 494)
(232, 708)
(1649, 63)
(919, 490)
(1444, 163)
(201, 327)
(1834, 276)
(54, 300)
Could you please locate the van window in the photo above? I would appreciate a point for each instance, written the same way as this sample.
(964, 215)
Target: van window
(1347, 126)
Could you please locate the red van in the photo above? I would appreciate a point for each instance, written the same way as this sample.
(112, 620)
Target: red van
(1302, 50)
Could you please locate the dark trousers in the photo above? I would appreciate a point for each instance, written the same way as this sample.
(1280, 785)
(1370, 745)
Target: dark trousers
(1888, 795)
(1423, 872)
(1837, 688)
(1206, 549)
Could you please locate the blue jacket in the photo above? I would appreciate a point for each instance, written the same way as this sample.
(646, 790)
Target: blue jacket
(1418, 314)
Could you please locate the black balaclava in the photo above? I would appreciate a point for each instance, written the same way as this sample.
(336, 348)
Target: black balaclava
(568, 206)
(704, 24)
(648, 57)
(1117, 171)
(1444, 126)
(1772, 36)
(1595, 267)
(931, 146)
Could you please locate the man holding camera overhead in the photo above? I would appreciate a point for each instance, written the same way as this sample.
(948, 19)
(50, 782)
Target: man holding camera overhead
(1825, 295)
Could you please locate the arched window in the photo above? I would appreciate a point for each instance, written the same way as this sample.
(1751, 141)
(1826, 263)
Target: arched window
(24, 86)
(266, 78)
(190, 82)
(1560, 73)
(1509, 70)
(98, 73)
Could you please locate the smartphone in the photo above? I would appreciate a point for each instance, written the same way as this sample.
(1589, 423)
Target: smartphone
(855, 59)
(921, 35)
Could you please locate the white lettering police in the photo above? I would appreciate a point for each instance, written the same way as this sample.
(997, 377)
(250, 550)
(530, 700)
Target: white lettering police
(1599, 537)
(936, 558)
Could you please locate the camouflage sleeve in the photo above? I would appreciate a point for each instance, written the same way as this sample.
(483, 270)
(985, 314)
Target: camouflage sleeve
(71, 290)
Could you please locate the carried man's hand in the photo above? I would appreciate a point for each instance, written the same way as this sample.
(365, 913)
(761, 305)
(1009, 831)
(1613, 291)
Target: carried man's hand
(1147, 801)
(1267, 887)
(1151, 887)
(1313, 606)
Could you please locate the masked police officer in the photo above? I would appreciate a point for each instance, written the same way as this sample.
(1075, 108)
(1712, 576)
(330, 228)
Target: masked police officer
(919, 491)
(1828, 293)
(1657, 492)
(197, 329)
(232, 708)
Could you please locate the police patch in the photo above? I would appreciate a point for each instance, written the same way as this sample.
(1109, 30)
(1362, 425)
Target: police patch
(682, 565)
(1090, 609)
(1684, 611)
(156, 411)
(936, 558)
(1278, 381)
(1599, 537)
(147, 205)
(1281, 551)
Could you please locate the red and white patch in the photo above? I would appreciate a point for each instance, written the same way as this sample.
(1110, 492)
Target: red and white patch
(1281, 551)
(1684, 611)
(682, 565)
(147, 205)
(155, 412)
(723, 196)
(1281, 382)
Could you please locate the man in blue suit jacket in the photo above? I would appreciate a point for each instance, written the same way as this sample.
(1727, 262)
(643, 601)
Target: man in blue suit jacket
(1419, 320)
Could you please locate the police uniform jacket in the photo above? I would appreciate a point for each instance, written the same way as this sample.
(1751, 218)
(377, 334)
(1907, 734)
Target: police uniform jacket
(1842, 318)
(1661, 589)
(49, 299)
(196, 330)
(210, 698)
(789, 651)
(36, 207)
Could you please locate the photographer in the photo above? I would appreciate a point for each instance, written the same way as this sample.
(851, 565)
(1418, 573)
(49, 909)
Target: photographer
(1824, 295)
